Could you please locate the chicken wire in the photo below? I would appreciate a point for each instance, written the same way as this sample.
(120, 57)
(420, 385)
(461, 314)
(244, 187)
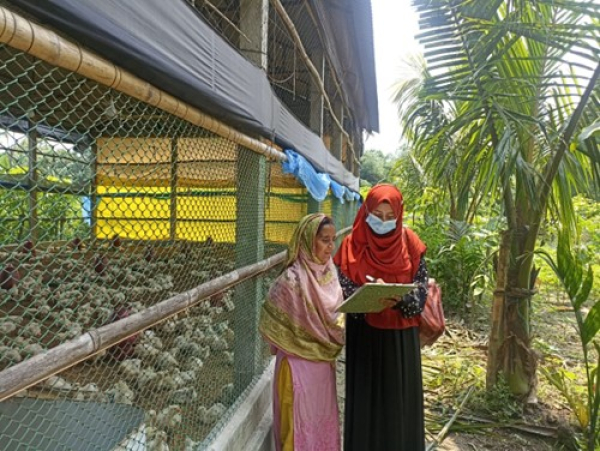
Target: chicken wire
(288, 73)
(109, 206)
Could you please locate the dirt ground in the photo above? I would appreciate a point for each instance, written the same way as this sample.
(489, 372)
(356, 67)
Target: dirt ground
(456, 364)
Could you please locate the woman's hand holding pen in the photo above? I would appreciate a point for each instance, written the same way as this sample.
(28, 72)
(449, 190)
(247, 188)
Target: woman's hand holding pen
(387, 302)
(373, 280)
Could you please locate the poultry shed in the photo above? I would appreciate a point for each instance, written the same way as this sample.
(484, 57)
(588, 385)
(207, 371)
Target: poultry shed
(149, 185)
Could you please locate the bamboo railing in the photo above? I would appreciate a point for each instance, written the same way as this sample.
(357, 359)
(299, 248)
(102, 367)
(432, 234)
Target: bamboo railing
(40, 367)
(48, 46)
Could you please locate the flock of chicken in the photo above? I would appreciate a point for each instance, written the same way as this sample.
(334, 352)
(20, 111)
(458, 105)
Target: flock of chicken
(58, 295)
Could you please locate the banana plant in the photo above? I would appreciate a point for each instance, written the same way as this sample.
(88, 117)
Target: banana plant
(578, 281)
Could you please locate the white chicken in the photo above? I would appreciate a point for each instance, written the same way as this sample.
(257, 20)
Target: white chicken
(210, 416)
(130, 369)
(191, 349)
(151, 338)
(191, 445)
(183, 396)
(9, 356)
(188, 377)
(165, 360)
(146, 352)
(219, 344)
(157, 440)
(58, 383)
(146, 377)
(194, 364)
(8, 326)
(227, 392)
(32, 349)
(169, 418)
(165, 381)
(120, 393)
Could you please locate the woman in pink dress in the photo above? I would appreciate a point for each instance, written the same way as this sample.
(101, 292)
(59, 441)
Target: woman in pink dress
(299, 321)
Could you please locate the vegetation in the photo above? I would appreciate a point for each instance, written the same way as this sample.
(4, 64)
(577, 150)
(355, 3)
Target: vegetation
(62, 180)
(578, 281)
(500, 120)
(375, 167)
(501, 117)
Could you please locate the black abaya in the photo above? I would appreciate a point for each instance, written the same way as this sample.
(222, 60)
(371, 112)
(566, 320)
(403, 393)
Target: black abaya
(384, 389)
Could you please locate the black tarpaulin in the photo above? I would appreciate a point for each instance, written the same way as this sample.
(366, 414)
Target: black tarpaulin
(168, 45)
(347, 28)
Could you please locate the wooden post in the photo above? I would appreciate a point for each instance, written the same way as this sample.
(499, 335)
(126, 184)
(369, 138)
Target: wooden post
(254, 24)
(32, 179)
(316, 96)
(338, 135)
(249, 248)
(358, 149)
(173, 197)
(497, 336)
(312, 205)
(316, 116)
(337, 213)
(94, 193)
(250, 212)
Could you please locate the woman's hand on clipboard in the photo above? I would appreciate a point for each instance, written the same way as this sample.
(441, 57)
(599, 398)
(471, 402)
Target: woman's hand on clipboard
(387, 302)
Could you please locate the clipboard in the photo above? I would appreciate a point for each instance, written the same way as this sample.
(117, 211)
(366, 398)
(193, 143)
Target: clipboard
(366, 298)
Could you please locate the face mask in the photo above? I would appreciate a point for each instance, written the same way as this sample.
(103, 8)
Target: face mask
(380, 227)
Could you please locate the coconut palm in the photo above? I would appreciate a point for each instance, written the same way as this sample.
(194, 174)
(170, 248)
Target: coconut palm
(508, 88)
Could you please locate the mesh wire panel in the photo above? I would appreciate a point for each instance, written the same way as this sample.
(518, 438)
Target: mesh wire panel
(288, 73)
(224, 16)
(107, 207)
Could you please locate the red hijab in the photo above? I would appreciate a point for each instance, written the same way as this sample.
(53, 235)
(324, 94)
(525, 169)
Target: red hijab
(393, 257)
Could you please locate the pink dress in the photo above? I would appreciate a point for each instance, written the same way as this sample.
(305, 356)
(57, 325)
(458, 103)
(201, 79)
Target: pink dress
(316, 415)
(299, 319)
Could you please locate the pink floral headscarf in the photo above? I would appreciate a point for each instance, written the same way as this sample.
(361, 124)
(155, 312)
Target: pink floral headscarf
(299, 314)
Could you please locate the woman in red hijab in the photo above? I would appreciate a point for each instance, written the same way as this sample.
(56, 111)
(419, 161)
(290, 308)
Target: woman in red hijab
(384, 389)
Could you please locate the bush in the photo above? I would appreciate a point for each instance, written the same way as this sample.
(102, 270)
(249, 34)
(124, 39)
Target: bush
(459, 258)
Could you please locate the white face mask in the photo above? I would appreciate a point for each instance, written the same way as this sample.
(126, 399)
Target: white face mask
(380, 227)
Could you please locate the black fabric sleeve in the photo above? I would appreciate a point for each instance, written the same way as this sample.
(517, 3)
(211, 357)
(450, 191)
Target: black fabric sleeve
(412, 304)
(348, 286)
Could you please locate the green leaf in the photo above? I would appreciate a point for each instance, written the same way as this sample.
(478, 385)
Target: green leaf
(478, 291)
(591, 130)
(591, 324)
(585, 289)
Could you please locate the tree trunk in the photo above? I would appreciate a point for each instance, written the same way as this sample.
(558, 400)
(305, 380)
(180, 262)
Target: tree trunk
(497, 323)
(510, 352)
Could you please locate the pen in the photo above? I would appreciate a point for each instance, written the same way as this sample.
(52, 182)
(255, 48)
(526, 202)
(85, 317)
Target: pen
(370, 278)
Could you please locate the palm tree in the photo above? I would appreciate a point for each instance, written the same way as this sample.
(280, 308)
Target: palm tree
(422, 118)
(508, 87)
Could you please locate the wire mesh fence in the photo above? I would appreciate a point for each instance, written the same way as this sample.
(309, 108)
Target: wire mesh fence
(109, 206)
(287, 69)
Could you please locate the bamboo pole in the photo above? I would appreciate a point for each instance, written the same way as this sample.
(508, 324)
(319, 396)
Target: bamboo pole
(218, 12)
(334, 75)
(497, 332)
(34, 370)
(442, 434)
(32, 179)
(40, 367)
(311, 68)
(173, 183)
(21, 34)
(94, 194)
